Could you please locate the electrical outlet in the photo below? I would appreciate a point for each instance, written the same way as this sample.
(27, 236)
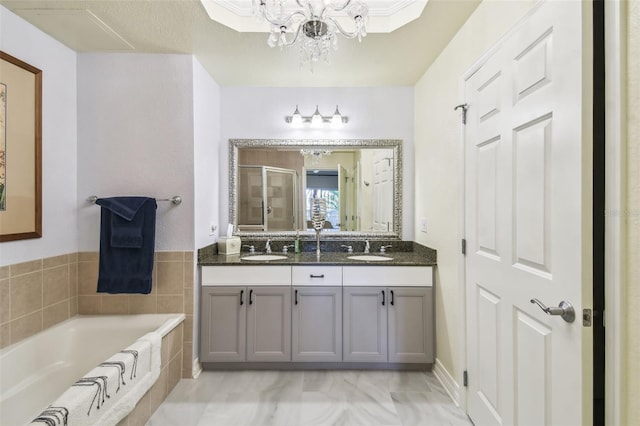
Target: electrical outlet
(423, 225)
(212, 229)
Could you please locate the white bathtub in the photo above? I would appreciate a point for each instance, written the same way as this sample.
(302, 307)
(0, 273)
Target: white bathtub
(36, 371)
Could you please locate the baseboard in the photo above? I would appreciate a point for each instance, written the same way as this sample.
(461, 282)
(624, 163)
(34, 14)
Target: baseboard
(447, 381)
(196, 368)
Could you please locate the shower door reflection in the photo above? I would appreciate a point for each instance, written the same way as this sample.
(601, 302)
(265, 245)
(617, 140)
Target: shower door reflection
(267, 199)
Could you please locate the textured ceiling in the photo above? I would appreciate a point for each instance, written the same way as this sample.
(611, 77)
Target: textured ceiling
(244, 59)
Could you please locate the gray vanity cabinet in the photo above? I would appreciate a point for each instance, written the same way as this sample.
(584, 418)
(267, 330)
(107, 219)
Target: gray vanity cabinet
(223, 325)
(269, 324)
(410, 337)
(364, 324)
(317, 324)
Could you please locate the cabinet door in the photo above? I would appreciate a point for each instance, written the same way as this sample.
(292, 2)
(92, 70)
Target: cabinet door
(410, 325)
(317, 324)
(269, 324)
(365, 324)
(223, 324)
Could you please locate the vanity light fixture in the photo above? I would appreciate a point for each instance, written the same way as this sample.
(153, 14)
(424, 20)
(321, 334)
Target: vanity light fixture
(316, 120)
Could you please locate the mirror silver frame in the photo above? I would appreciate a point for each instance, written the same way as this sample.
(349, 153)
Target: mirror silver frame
(394, 144)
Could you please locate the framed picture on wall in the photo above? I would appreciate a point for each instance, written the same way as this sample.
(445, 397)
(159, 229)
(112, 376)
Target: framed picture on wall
(20, 149)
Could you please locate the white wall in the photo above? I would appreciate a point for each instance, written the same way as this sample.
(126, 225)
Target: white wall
(206, 134)
(59, 139)
(135, 137)
(438, 161)
(374, 113)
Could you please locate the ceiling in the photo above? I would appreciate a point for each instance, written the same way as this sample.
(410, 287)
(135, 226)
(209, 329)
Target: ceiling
(234, 58)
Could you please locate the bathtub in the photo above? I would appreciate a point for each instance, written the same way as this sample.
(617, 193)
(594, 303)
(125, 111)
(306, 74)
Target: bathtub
(38, 370)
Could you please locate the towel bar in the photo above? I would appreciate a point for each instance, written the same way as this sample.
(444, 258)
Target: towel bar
(175, 199)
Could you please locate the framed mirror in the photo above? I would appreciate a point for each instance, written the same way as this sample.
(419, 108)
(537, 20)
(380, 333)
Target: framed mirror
(272, 183)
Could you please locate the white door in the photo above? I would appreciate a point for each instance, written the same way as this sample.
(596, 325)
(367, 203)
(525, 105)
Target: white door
(527, 223)
(342, 191)
(383, 190)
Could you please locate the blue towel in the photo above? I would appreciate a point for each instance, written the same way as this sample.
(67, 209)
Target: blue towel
(127, 244)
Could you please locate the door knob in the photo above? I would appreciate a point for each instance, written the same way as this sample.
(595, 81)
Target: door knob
(564, 310)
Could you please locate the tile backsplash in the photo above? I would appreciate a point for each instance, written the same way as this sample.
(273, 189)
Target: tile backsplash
(38, 294)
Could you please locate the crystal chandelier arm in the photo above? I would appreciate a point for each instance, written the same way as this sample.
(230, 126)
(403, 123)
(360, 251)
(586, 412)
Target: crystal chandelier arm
(335, 8)
(341, 30)
(295, 37)
(280, 22)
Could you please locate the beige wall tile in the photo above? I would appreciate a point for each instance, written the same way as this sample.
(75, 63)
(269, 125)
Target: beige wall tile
(175, 371)
(73, 306)
(115, 304)
(73, 257)
(188, 256)
(5, 272)
(52, 262)
(175, 343)
(26, 326)
(73, 279)
(26, 294)
(168, 256)
(5, 335)
(188, 328)
(188, 275)
(164, 349)
(141, 413)
(88, 256)
(124, 422)
(87, 278)
(169, 304)
(26, 267)
(142, 304)
(89, 305)
(55, 284)
(170, 276)
(187, 361)
(5, 300)
(55, 313)
(188, 301)
(158, 391)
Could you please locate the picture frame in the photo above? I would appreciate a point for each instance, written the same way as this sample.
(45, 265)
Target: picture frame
(20, 149)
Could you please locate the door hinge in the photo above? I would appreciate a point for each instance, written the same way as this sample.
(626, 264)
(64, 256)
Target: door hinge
(465, 378)
(586, 317)
(464, 246)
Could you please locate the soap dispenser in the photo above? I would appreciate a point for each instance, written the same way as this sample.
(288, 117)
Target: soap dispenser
(297, 242)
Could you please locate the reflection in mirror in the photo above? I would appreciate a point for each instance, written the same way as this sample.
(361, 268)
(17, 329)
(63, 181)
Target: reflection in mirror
(272, 183)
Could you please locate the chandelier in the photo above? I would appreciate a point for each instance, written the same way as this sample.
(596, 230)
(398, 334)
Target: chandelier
(314, 26)
(315, 155)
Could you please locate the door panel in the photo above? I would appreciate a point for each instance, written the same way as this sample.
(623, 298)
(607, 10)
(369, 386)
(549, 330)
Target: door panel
(410, 325)
(365, 324)
(317, 324)
(527, 222)
(223, 324)
(269, 324)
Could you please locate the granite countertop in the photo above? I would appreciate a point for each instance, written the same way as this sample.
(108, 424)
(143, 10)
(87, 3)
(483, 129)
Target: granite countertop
(406, 254)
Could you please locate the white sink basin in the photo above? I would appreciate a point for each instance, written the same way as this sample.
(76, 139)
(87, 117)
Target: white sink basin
(264, 257)
(370, 258)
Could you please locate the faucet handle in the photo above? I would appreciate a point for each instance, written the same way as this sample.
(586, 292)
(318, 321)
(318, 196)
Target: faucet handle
(383, 249)
(252, 249)
(349, 248)
(285, 248)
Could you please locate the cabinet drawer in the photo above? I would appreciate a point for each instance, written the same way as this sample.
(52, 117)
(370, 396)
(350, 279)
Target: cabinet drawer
(247, 275)
(389, 276)
(316, 275)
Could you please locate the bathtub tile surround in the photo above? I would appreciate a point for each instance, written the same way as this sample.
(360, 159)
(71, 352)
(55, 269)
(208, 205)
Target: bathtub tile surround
(172, 292)
(169, 377)
(36, 295)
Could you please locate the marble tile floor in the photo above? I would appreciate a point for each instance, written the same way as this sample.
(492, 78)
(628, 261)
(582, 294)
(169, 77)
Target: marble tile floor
(301, 398)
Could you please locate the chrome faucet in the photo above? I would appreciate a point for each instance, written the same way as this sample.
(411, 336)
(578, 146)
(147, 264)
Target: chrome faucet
(252, 249)
(267, 247)
(366, 246)
(383, 249)
(349, 248)
(285, 248)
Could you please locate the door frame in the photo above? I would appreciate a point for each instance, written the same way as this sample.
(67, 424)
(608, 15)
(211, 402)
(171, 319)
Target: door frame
(615, 33)
(615, 186)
